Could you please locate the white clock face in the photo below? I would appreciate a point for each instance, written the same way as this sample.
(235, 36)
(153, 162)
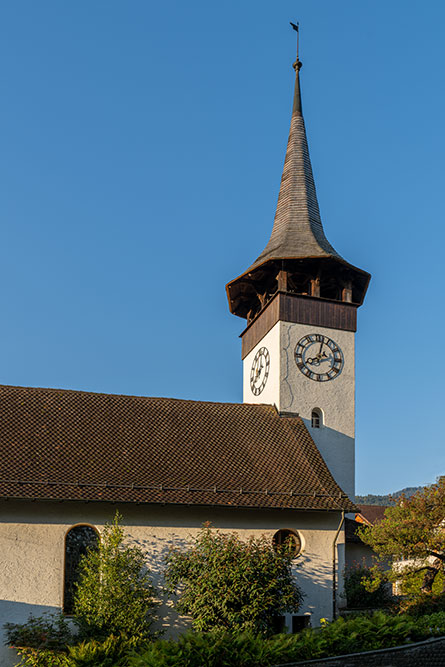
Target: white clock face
(259, 371)
(318, 357)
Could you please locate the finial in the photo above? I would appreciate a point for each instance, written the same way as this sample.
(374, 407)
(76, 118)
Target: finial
(297, 64)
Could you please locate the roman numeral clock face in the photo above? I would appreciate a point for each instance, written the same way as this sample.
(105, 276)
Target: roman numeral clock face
(318, 357)
(259, 371)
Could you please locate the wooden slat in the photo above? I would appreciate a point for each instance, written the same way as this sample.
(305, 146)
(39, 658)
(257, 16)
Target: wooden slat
(302, 310)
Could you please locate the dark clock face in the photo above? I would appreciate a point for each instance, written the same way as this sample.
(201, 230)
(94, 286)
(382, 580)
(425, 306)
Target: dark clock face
(318, 357)
(259, 371)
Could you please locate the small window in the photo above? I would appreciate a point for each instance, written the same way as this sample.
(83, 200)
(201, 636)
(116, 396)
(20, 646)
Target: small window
(288, 538)
(77, 542)
(316, 418)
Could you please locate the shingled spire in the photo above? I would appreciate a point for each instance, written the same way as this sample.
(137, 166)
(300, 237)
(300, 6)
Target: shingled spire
(298, 257)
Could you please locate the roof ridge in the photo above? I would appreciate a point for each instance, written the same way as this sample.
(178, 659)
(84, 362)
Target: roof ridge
(61, 390)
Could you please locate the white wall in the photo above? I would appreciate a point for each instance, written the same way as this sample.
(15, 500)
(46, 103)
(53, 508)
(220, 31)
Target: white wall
(32, 550)
(291, 391)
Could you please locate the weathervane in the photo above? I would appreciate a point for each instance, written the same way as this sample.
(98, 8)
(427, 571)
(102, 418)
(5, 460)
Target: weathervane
(296, 27)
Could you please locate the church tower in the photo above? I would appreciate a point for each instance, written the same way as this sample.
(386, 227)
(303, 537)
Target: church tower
(300, 299)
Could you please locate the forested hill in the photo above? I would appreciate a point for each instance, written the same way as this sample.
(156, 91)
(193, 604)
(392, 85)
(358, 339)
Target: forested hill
(371, 499)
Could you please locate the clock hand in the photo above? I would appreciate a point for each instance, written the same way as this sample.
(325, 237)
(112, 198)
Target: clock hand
(321, 347)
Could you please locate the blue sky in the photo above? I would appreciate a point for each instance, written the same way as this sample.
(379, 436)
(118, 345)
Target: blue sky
(141, 153)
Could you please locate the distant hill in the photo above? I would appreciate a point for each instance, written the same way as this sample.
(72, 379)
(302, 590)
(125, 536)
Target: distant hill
(371, 499)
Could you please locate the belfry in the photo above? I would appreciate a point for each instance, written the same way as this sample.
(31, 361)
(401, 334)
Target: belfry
(300, 299)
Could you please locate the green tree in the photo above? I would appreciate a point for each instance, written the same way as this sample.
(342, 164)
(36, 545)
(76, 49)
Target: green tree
(412, 536)
(366, 587)
(225, 583)
(114, 595)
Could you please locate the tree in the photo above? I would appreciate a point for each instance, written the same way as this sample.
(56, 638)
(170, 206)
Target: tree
(226, 583)
(414, 530)
(114, 595)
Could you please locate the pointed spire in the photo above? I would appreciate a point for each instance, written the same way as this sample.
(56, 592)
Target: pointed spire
(297, 231)
(297, 235)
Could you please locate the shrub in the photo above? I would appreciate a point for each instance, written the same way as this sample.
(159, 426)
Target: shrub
(225, 583)
(425, 603)
(209, 649)
(366, 587)
(215, 649)
(34, 657)
(49, 631)
(113, 652)
(362, 633)
(114, 595)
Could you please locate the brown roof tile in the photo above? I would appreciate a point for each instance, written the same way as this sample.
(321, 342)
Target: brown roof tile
(372, 513)
(74, 445)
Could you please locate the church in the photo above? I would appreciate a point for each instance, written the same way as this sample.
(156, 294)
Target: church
(280, 464)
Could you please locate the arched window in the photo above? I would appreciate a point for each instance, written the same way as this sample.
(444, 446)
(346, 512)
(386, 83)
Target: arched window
(77, 542)
(316, 418)
(288, 538)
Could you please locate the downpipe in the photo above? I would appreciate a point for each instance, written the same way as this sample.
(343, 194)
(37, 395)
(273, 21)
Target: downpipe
(334, 568)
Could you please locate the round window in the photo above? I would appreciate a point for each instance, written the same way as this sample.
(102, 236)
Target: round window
(288, 539)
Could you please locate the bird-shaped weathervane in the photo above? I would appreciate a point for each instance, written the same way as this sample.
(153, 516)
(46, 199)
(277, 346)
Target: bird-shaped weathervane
(296, 27)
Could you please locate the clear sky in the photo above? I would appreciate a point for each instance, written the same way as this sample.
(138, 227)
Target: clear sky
(142, 145)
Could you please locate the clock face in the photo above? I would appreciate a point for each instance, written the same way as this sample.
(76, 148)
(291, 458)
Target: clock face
(318, 357)
(259, 371)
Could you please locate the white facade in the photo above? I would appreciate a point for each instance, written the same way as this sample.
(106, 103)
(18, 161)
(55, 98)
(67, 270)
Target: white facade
(291, 391)
(32, 537)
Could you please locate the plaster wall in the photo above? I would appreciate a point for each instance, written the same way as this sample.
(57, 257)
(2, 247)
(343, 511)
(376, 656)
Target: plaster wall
(32, 551)
(291, 391)
(271, 392)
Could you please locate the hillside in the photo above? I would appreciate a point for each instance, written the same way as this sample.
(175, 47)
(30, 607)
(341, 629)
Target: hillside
(372, 499)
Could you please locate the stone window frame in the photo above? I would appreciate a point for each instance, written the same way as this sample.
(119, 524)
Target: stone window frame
(66, 607)
(283, 534)
(317, 418)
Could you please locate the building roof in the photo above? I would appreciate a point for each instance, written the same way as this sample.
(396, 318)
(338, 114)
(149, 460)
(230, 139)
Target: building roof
(366, 515)
(371, 514)
(73, 445)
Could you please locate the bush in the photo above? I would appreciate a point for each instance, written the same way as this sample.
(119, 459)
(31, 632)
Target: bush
(362, 633)
(34, 657)
(214, 649)
(114, 595)
(366, 587)
(49, 631)
(113, 652)
(210, 649)
(424, 603)
(224, 583)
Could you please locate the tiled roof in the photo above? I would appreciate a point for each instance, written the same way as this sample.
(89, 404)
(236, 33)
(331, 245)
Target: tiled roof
(372, 513)
(74, 445)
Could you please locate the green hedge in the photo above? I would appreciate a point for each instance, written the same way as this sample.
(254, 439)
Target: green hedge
(362, 633)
